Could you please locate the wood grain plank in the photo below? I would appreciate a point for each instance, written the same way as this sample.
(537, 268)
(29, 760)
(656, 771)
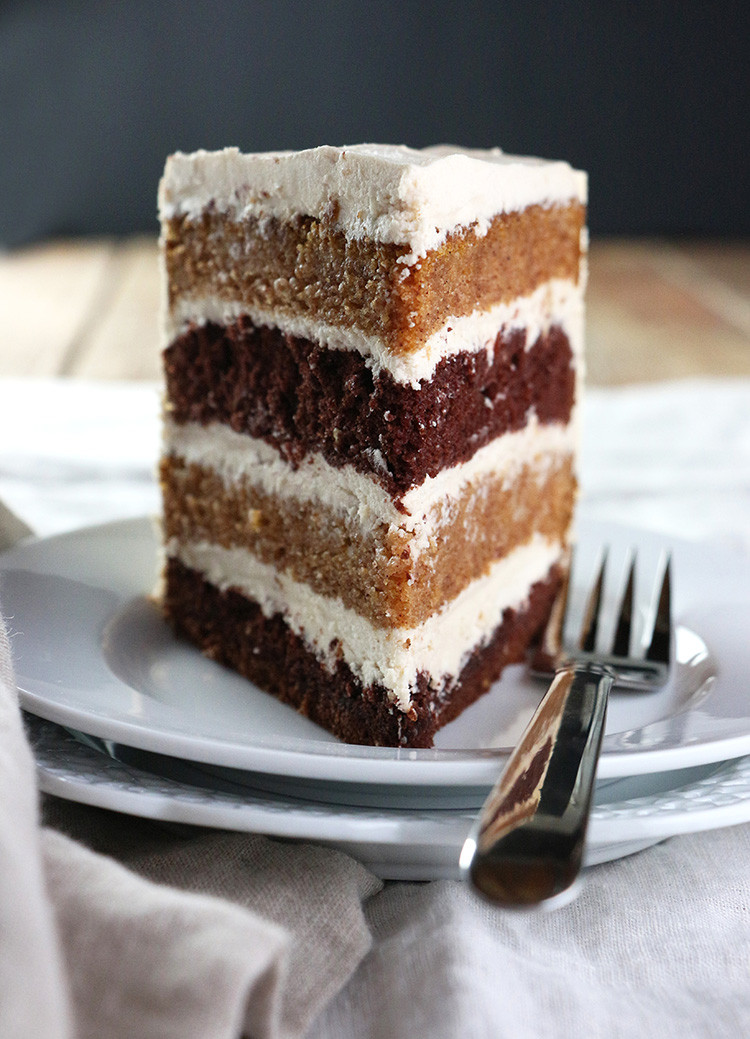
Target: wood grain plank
(47, 294)
(728, 262)
(124, 341)
(647, 321)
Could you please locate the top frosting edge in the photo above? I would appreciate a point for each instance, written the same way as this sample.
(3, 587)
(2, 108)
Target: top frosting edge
(389, 193)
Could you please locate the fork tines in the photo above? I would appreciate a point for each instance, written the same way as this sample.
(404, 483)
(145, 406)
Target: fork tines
(643, 667)
(640, 667)
(660, 647)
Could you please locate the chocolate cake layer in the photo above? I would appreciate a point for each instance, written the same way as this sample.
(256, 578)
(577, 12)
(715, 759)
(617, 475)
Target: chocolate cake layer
(309, 266)
(233, 630)
(302, 398)
(382, 574)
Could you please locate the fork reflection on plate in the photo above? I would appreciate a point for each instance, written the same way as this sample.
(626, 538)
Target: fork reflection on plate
(526, 846)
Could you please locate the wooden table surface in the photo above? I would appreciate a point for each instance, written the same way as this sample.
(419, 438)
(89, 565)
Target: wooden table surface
(656, 310)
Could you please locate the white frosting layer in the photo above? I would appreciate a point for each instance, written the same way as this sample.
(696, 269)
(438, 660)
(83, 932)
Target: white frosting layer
(358, 499)
(558, 302)
(383, 192)
(391, 658)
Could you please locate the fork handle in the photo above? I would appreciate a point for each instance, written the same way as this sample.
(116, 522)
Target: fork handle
(527, 843)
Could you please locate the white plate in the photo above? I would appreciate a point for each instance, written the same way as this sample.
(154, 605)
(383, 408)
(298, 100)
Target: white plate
(93, 654)
(631, 814)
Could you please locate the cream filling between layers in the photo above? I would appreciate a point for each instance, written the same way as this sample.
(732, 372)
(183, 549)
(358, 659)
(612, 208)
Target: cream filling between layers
(358, 498)
(392, 658)
(556, 302)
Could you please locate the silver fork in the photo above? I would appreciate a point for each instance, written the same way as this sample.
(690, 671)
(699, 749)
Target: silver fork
(527, 843)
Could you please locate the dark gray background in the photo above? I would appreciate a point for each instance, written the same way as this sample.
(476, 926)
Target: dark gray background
(651, 98)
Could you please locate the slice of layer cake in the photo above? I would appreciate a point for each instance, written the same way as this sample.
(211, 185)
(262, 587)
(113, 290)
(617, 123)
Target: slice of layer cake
(373, 358)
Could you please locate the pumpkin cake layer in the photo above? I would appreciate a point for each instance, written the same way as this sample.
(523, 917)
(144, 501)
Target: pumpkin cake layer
(311, 268)
(393, 573)
(373, 359)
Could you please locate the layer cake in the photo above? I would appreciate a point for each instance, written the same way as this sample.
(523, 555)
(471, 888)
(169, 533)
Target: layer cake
(373, 359)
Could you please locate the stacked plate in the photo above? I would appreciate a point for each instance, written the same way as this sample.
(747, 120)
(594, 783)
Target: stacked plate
(123, 716)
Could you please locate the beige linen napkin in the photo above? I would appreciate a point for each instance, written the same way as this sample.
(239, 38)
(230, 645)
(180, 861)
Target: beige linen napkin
(656, 946)
(12, 528)
(33, 992)
(246, 935)
(192, 932)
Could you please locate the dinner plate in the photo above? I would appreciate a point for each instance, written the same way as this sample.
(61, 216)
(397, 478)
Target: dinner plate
(630, 814)
(93, 654)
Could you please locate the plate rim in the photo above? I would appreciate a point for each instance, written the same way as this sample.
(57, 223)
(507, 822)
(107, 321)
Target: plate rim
(390, 765)
(690, 807)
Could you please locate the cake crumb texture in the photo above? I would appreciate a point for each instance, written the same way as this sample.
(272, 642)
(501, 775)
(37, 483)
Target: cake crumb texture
(310, 266)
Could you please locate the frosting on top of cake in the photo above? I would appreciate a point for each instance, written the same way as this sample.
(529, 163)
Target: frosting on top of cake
(389, 193)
